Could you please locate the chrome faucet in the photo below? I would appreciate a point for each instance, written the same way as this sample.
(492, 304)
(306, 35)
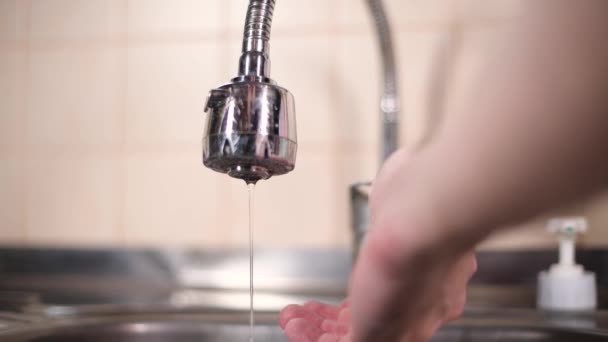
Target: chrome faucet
(251, 126)
(389, 103)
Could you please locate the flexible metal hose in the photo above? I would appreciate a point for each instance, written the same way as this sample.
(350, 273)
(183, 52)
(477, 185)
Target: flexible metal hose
(257, 25)
(255, 60)
(389, 105)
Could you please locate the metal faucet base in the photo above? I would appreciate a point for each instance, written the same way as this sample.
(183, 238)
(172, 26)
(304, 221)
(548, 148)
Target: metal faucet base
(250, 157)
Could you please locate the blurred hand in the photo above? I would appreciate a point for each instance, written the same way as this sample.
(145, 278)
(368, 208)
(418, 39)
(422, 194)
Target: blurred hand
(316, 322)
(409, 278)
(320, 322)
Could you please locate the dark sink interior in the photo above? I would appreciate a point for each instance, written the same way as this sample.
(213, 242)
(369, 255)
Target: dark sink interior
(93, 299)
(512, 334)
(229, 330)
(163, 332)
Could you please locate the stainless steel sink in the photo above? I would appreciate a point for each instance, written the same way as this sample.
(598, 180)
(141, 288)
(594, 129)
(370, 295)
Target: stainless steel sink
(230, 327)
(173, 296)
(150, 328)
(494, 333)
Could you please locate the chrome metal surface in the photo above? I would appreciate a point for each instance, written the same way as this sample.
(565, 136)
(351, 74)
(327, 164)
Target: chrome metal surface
(389, 108)
(389, 104)
(442, 67)
(254, 59)
(102, 281)
(220, 327)
(486, 326)
(202, 295)
(251, 126)
(85, 283)
(251, 131)
(359, 198)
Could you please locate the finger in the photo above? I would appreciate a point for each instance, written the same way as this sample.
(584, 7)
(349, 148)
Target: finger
(456, 291)
(294, 311)
(456, 305)
(371, 288)
(324, 310)
(474, 264)
(468, 265)
(423, 331)
(300, 330)
(344, 316)
(454, 301)
(334, 327)
(329, 338)
(392, 166)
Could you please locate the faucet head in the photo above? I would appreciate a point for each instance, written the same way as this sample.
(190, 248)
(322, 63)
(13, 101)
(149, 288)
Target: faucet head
(251, 129)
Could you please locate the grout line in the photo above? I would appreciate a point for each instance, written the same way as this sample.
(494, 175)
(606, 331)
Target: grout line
(25, 88)
(227, 33)
(337, 164)
(224, 10)
(121, 224)
(182, 148)
(224, 193)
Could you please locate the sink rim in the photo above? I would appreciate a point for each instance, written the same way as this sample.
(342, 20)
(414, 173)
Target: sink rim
(19, 332)
(508, 320)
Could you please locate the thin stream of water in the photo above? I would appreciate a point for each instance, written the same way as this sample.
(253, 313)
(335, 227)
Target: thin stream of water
(251, 190)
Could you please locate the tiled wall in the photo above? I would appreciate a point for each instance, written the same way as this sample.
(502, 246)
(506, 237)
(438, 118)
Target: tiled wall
(101, 115)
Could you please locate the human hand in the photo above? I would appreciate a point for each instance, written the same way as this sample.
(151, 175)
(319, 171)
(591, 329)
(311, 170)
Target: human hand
(316, 322)
(320, 322)
(413, 268)
(409, 278)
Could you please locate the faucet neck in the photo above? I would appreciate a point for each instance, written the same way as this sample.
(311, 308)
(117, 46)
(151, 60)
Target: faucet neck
(255, 60)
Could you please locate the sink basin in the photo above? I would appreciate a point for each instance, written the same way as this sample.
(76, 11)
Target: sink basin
(456, 333)
(150, 328)
(150, 331)
(229, 327)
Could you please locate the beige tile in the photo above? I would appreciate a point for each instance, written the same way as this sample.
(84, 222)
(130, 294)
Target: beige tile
(402, 14)
(352, 167)
(529, 235)
(172, 200)
(175, 16)
(8, 20)
(167, 88)
(234, 212)
(354, 15)
(11, 119)
(419, 14)
(76, 19)
(474, 11)
(292, 210)
(22, 21)
(75, 96)
(312, 16)
(12, 201)
(233, 51)
(73, 201)
(417, 53)
(356, 89)
(13, 23)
